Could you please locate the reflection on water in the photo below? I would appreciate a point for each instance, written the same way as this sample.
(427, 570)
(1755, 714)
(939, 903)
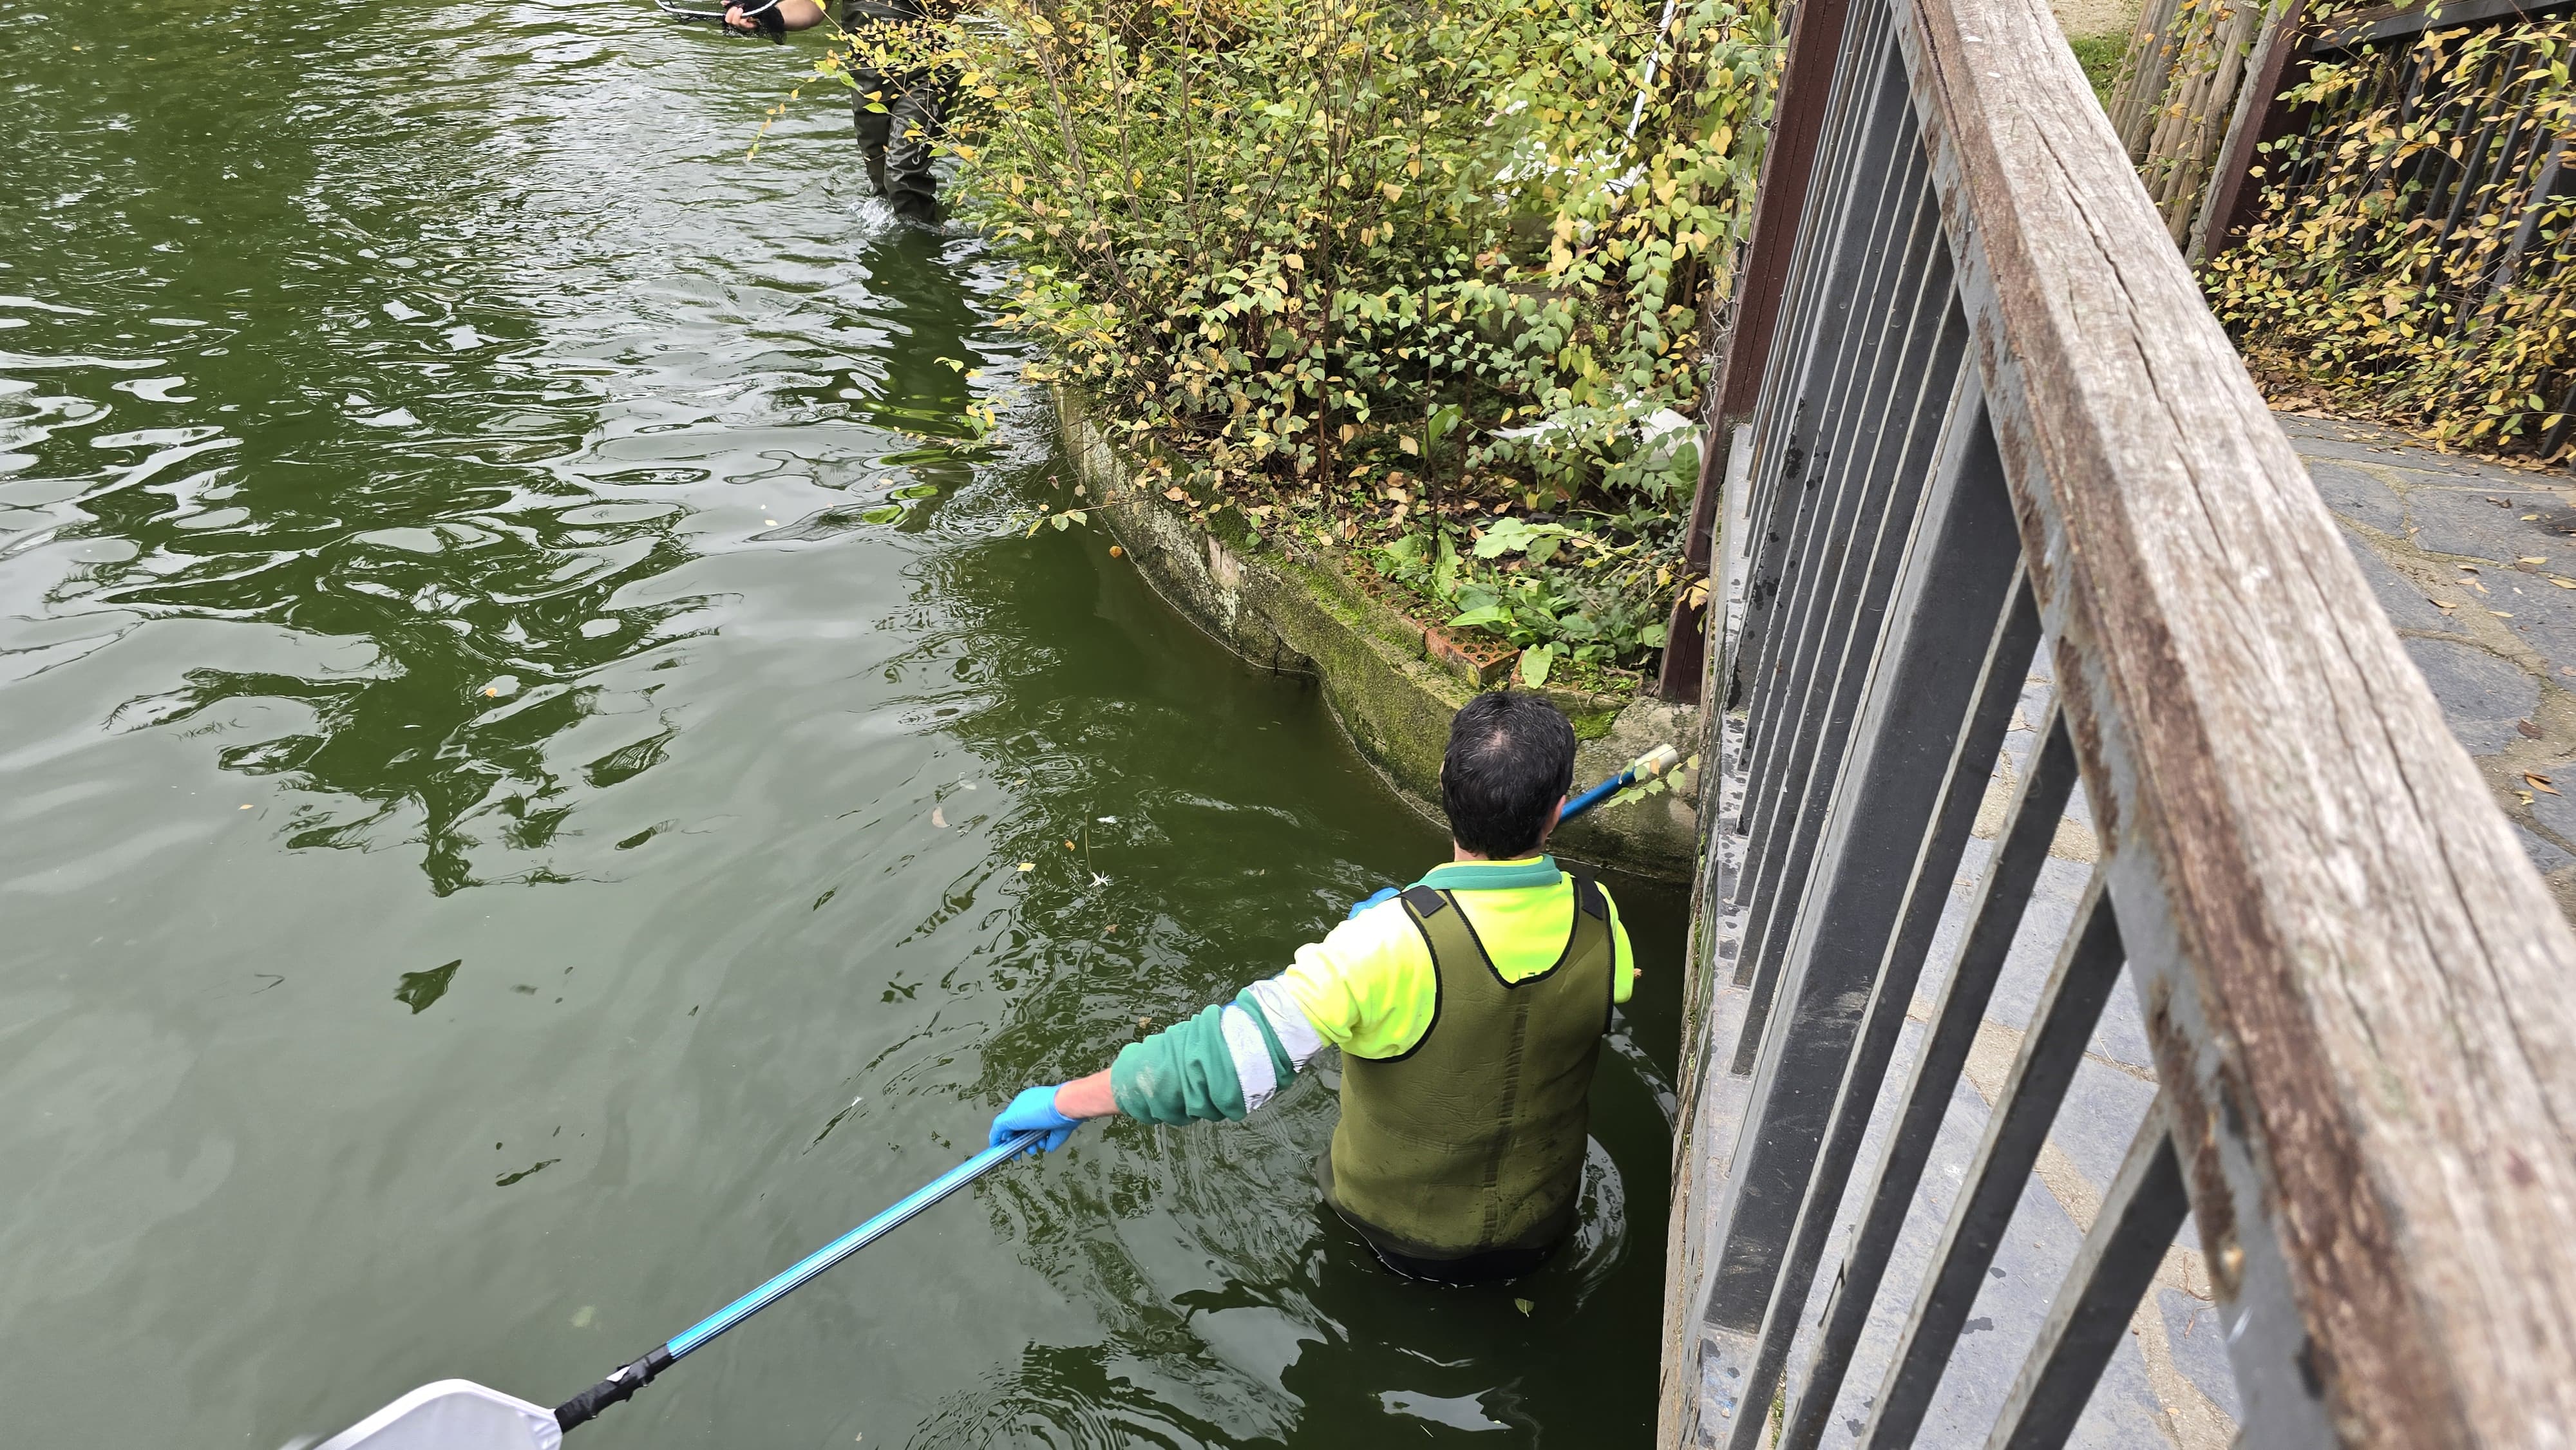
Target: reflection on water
(523, 704)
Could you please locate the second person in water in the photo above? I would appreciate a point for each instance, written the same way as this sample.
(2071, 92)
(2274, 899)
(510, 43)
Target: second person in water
(899, 109)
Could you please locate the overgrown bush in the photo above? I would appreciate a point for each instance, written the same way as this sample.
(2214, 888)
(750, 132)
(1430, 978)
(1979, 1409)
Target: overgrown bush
(1381, 273)
(2413, 260)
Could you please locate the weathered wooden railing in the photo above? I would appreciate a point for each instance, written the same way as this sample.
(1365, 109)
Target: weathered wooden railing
(1991, 421)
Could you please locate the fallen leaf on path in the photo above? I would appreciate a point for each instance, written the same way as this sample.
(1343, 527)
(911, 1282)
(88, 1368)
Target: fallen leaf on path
(2539, 782)
(2534, 559)
(1028, 865)
(938, 818)
(2529, 730)
(1523, 1305)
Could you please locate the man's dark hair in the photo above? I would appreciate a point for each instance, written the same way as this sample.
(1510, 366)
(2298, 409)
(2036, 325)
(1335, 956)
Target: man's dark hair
(1511, 755)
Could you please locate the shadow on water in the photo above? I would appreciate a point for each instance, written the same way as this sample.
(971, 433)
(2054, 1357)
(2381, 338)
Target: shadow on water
(544, 775)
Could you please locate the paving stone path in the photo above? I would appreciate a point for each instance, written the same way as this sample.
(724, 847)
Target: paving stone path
(2476, 565)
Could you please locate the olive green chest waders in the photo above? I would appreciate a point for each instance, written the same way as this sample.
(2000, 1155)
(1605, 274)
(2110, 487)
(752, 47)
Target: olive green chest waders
(1463, 1157)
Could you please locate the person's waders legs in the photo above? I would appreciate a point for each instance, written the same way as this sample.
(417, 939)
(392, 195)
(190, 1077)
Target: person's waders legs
(899, 117)
(872, 109)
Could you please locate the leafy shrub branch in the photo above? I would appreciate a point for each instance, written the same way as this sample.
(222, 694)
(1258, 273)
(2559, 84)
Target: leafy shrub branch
(1395, 277)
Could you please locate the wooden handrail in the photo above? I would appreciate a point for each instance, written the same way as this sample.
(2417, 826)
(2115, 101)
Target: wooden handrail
(2376, 981)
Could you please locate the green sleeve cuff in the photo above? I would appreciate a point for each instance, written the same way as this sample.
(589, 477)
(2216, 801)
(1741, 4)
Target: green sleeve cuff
(1182, 1074)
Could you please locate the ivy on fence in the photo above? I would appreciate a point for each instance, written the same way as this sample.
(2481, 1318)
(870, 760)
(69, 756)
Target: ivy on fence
(2412, 261)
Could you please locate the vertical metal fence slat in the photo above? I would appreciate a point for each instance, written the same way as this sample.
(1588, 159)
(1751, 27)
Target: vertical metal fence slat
(2141, 1212)
(1783, 486)
(1843, 328)
(2069, 1007)
(1781, 721)
(1958, 575)
(1860, 621)
(1844, 599)
(1814, 328)
(1861, 357)
(1786, 677)
(1927, 893)
(1853, 96)
(2003, 893)
(1826, 456)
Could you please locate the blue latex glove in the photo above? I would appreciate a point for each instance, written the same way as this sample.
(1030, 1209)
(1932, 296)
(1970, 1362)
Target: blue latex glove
(1384, 893)
(1034, 1108)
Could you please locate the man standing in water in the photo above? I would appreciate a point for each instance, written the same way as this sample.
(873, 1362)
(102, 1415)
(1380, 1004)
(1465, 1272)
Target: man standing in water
(1469, 1009)
(899, 111)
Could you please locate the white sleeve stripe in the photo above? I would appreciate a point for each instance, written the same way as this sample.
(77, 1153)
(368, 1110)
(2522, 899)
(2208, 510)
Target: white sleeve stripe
(1296, 1034)
(1252, 1066)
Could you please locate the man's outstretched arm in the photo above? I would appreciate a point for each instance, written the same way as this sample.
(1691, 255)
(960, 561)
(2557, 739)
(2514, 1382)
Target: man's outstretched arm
(1230, 1059)
(1215, 1067)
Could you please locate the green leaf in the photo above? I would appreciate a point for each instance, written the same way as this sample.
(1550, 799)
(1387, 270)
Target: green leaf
(1536, 661)
(1481, 618)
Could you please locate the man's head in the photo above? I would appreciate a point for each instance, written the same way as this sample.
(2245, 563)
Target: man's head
(1511, 759)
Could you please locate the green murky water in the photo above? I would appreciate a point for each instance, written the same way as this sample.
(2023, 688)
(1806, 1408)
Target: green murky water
(521, 707)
